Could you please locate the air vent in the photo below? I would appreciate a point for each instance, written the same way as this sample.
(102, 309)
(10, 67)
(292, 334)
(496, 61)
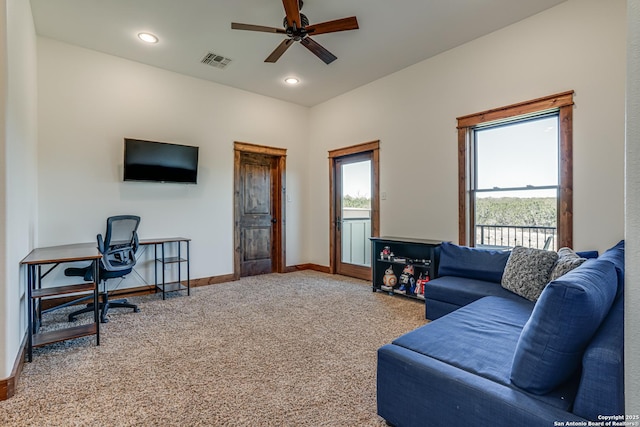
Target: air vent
(215, 60)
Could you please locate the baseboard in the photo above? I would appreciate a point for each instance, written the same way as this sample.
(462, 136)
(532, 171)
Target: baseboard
(314, 267)
(8, 385)
(204, 281)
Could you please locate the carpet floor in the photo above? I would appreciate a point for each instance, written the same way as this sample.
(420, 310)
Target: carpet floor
(295, 349)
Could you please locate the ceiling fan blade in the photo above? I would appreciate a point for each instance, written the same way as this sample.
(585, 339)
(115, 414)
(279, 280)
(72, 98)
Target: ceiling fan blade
(261, 28)
(277, 53)
(343, 24)
(292, 10)
(318, 50)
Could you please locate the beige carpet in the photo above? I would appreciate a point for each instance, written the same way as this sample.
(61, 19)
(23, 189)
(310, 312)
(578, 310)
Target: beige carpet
(296, 349)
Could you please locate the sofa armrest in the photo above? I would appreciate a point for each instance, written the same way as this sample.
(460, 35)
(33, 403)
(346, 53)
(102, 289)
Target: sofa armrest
(416, 390)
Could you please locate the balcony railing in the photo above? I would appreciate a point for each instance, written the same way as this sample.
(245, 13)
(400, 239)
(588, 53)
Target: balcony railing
(508, 236)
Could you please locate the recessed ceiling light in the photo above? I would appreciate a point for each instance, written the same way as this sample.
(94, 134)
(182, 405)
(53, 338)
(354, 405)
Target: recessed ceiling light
(148, 38)
(292, 80)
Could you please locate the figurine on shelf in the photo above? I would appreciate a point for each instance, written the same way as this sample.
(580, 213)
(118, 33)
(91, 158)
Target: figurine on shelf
(385, 254)
(389, 279)
(422, 280)
(407, 280)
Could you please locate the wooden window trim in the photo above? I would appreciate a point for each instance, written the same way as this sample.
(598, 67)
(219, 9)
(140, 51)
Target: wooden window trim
(563, 104)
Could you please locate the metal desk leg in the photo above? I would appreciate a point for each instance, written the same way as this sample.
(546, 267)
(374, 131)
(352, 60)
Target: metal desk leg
(163, 278)
(179, 265)
(155, 267)
(30, 283)
(188, 273)
(96, 299)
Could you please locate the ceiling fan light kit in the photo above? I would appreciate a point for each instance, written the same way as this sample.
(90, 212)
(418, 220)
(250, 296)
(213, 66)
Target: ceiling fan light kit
(297, 29)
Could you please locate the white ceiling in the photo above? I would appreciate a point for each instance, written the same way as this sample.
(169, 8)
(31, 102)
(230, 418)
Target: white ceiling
(393, 34)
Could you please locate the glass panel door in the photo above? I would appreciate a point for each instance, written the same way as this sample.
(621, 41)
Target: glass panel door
(353, 209)
(356, 213)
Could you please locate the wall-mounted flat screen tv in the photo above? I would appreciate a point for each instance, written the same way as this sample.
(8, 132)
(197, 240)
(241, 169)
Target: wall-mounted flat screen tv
(159, 162)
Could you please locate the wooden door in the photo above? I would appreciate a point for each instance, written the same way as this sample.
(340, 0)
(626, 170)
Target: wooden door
(355, 208)
(257, 213)
(353, 224)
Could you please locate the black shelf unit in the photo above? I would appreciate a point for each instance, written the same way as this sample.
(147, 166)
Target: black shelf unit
(423, 254)
(161, 261)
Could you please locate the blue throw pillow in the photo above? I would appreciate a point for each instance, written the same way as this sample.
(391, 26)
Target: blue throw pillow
(567, 314)
(587, 254)
(472, 263)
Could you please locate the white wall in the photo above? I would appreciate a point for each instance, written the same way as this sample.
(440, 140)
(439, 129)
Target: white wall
(18, 193)
(577, 45)
(89, 101)
(5, 320)
(632, 214)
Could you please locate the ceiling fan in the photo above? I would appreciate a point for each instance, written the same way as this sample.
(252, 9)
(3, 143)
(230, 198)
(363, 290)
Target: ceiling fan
(297, 28)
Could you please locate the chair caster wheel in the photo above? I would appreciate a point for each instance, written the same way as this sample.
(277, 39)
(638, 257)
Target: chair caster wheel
(136, 310)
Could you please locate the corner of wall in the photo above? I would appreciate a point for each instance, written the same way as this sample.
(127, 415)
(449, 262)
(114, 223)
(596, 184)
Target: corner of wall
(632, 211)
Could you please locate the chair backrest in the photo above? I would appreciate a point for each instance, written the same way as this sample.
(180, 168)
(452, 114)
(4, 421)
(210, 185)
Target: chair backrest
(119, 246)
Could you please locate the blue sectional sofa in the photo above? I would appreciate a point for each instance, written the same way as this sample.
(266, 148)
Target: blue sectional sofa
(494, 358)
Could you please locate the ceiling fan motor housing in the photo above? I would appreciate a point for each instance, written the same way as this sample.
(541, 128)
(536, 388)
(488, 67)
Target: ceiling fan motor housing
(303, 20)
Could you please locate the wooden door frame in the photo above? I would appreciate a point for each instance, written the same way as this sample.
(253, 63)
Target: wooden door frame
(278, 248)
(374, 148)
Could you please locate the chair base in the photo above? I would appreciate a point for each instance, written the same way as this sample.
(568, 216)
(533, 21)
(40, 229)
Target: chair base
(104, 307)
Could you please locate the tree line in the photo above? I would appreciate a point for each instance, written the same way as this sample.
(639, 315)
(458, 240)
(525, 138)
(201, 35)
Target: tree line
(537, 211)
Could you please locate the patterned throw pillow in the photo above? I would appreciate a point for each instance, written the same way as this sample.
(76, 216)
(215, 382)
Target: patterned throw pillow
(567, 261)
(527, 271)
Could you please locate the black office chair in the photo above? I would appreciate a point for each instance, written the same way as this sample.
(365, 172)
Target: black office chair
(118, 251)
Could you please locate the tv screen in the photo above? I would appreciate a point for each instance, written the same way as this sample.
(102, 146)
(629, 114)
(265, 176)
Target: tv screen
(159, 161)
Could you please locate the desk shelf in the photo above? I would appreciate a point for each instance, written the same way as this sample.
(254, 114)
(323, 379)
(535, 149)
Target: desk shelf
(171, 287)
(171, 260)
(50, 258)
(59, 291)
(45, 338)
(160, 246)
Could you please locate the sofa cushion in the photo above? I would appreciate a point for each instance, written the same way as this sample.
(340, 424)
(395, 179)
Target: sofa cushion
(615, 255)
(567, 314)
(460, 291)
(472, 263)
(479, 338)
(602, 377)
(527, 271)
(587, 254)
(567, 261)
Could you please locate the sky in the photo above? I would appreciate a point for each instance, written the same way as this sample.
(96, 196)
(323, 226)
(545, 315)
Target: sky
(518, 155)
(356, 179)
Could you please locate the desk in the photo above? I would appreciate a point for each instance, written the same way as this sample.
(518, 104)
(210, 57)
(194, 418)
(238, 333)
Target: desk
(54, 256)
(161, 261)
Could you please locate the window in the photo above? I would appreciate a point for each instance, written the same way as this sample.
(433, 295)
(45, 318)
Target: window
(515, 175)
